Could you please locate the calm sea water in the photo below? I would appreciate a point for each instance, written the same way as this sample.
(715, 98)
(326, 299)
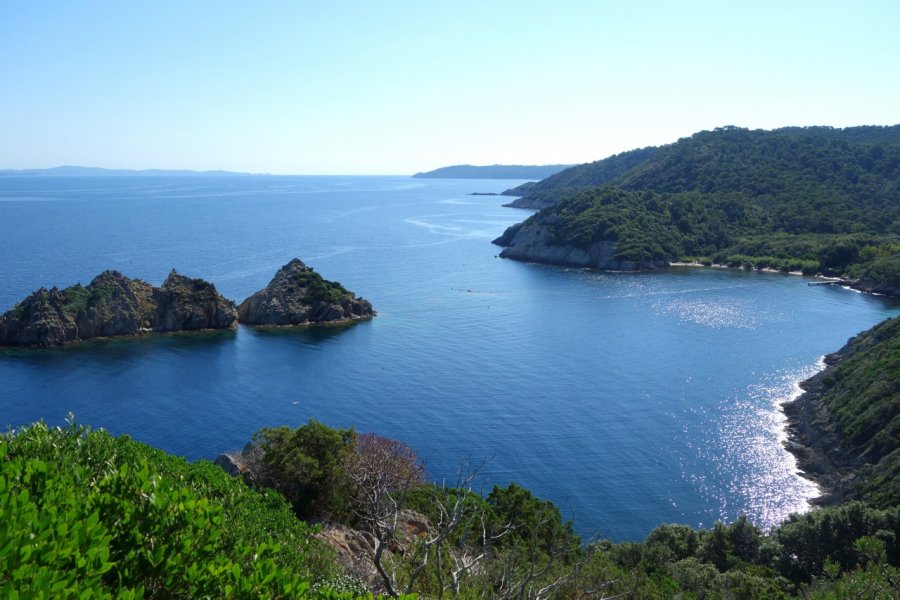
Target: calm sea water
(629, 399)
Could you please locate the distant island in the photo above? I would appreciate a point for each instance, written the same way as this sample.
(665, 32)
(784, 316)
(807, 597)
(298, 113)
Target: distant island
(493, 172)
(817, 200)
(113, 305)
(74, 171)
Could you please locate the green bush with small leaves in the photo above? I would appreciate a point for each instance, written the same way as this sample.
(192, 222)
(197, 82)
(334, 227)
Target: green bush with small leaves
(87, 515)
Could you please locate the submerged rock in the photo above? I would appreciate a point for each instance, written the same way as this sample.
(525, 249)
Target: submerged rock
(298, 295)
(114, 305)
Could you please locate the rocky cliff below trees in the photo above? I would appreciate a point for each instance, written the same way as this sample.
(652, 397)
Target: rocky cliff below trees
(297, 295)
(534, 241)
(845, 429)
(114, 305)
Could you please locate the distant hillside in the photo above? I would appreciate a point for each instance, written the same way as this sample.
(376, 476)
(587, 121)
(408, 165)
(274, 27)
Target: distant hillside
(735, 159)
(539, 195)
(494, 172)
(817, 199)
(71, 171)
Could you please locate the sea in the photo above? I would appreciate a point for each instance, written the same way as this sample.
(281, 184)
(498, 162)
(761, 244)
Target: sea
(629, 399)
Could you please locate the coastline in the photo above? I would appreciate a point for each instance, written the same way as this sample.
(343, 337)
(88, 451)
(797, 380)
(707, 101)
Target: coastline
(820, 453)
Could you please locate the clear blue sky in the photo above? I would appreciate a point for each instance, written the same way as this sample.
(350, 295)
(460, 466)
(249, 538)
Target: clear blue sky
(396, 87)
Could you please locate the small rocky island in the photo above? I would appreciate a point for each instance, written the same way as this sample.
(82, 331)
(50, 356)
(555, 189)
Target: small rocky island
(114, 305)
(297, 295)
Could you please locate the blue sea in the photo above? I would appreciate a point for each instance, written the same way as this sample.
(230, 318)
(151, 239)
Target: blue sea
(628, 399)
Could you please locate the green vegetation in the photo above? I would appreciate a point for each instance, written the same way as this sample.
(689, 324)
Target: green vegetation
(816, 199)
(862, 396)
(319, 289)
(77, 298)
(306, 466)
(591, 174)
(88, 515)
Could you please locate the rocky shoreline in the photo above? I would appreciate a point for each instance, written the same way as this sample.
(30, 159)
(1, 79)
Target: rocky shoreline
(841, 429)
(813, 440)
(529, 242)
(113, 305)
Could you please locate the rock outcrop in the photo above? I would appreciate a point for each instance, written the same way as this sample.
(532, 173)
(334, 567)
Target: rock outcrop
(114, 305)
(870, 286)
(297, 295)
(185, 304)
(812, 438)
(531, 242)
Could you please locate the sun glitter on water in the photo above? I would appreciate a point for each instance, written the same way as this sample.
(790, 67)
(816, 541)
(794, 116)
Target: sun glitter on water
(752, 431)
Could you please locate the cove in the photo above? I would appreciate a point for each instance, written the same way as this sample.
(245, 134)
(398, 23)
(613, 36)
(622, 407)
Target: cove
(629, 399)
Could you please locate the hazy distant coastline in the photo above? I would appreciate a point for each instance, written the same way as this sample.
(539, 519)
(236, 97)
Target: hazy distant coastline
(75, 171)
(494, 172)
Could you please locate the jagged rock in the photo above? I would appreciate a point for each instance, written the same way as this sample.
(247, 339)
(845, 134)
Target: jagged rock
(185, 304)
(114, 305)
(41, 319)
(234, 465)
(531, 242)
(298, 295)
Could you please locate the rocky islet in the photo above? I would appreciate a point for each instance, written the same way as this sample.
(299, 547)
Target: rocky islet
(113, 305)
(297, 295)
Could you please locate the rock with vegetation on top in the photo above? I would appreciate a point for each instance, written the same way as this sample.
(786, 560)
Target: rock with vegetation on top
(185, 304)
(115, 305)
(297, 295)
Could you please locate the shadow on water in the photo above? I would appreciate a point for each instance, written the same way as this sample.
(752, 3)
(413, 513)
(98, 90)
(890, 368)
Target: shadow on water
(121, 347)
(307, 334)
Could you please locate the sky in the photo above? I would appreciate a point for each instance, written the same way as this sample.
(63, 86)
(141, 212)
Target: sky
(386, 87)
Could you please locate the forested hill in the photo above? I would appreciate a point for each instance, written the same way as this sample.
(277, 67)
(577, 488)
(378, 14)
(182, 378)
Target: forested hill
(596, 173)
(816, 199)
(732, 159)
(494, 172)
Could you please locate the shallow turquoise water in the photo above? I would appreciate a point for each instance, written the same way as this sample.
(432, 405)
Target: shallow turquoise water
(630, 399)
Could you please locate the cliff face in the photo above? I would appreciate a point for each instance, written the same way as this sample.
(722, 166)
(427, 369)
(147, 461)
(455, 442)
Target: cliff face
(185, 304)
(298, 295)
(531, 242)
(114, 305)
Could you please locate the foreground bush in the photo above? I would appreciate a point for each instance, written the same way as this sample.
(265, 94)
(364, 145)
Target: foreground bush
(87, 515)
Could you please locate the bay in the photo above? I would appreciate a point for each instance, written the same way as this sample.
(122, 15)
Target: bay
(629, 399)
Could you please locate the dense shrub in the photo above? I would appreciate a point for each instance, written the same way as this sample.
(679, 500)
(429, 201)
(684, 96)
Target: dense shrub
(86, 515)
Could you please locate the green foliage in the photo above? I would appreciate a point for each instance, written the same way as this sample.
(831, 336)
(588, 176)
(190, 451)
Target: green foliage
(76, 299)
(317, 289)
(809, 199)
(882, 269)
(306, 465)
(91, 516)
(808, 541)
(534, 522)
(595, 173)
(862, 396)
